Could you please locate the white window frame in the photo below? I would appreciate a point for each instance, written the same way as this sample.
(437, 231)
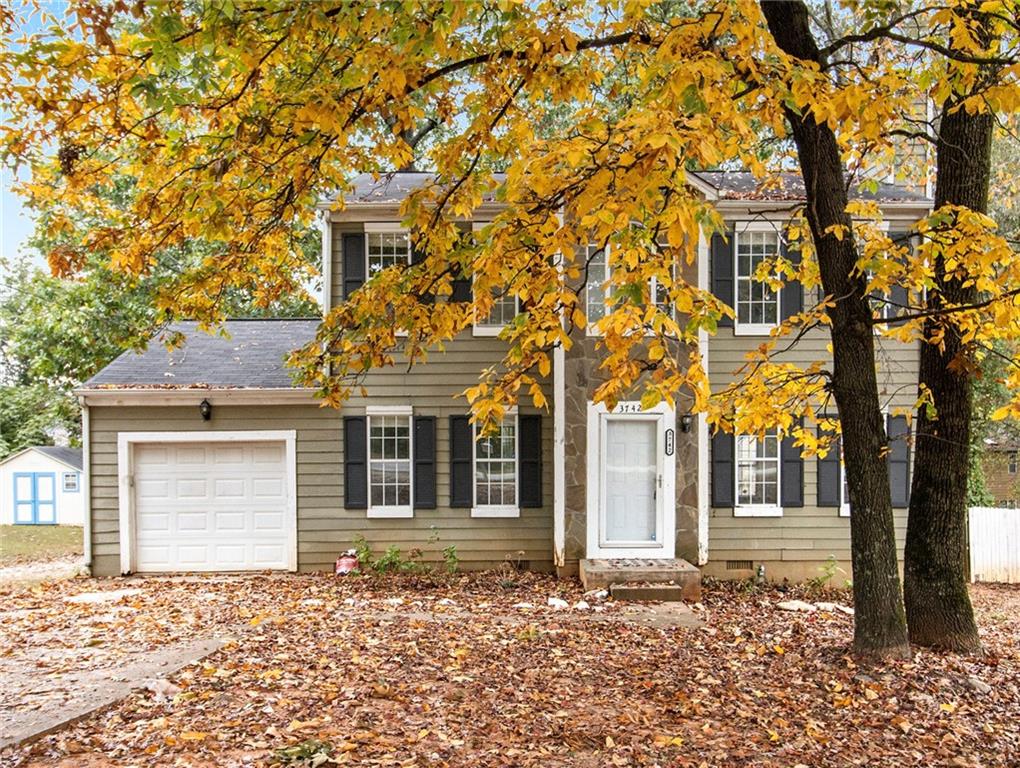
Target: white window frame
(653, 286)
(384, 228)
(64, 477)
(497, 510)
(758, 510)
(481, 327)
(844, 497)
(398, 511)
(754, 227)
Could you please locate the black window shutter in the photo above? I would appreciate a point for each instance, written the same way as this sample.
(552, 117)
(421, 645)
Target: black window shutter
(899, 460)
(830, 478)
(355, 462)
(723, 460)
(461, 462)
(898, 294)
(461, 286)
(791, 474)
(354, 261)
(461, 289)
(529, 444)
(791, 297)
(722, 272)
(424, 462)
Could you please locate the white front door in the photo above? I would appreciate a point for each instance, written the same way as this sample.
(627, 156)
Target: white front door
(631, 480)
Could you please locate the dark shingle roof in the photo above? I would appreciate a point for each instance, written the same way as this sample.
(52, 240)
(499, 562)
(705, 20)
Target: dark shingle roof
(743, 185)
(393, 187)
(252, 357)
(62, 453)
(732, 185)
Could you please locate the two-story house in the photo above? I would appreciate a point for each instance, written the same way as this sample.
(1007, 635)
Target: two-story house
(210, 459)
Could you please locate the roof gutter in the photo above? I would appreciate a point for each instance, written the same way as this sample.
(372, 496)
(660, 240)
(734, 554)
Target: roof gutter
(195, 395)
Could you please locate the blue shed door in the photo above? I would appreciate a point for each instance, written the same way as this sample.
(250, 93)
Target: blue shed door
(35, 498)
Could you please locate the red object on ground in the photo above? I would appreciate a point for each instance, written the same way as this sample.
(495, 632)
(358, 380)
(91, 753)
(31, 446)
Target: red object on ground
(346, 563)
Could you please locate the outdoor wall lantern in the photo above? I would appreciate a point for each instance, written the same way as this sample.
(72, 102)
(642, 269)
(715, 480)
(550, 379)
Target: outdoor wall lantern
(685, 423)
(205, 408)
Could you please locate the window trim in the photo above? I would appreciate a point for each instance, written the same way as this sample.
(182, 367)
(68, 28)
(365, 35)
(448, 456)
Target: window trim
(1012, 463)
(383, 228)
(757, 510)
(844, 498)
(64, 477)
(754, 329)
(653, 285)
(497, 510)
(483, 329)
(396, 511)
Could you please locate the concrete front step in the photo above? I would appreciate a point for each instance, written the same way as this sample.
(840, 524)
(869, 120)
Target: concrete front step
(662, 593)
(604, 573)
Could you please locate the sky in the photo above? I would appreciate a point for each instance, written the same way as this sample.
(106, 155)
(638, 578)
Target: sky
(15, 220)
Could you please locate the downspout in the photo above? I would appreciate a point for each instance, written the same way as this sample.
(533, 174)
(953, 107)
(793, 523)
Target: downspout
(326, 267)
(86, 461)
(559, 456)
(703, 437)
(559, 444)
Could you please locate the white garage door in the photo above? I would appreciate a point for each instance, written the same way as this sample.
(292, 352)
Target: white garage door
(211, 506)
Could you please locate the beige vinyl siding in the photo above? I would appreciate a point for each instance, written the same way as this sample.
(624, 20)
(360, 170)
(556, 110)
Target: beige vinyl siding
(810, 533)
(324, 527)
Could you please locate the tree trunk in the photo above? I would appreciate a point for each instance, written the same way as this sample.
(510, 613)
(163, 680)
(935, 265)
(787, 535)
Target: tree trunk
(938, 606)
(879, 625)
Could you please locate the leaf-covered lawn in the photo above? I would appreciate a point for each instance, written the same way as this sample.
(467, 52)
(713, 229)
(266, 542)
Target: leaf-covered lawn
(421, 672)
(24, 543)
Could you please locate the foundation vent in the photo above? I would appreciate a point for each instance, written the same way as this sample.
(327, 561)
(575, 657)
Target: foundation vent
(739, 565)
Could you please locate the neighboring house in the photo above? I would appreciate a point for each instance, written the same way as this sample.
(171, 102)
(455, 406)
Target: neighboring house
(209, 459)
(42, 485)
(1001, 462)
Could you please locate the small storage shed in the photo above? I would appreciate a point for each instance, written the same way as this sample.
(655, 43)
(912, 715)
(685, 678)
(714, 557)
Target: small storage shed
(42, 485)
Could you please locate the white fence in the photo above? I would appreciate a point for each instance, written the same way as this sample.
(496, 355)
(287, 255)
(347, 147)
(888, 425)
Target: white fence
(995, 544)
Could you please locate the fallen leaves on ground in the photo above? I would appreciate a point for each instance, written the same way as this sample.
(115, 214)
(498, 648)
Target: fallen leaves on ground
(417, 671)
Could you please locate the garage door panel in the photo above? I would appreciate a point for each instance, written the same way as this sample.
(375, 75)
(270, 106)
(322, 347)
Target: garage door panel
(157, 556)
(268, 488)
(232, 522)
(192, 488)
(267, 454)
(231, 454)
(225, 488)
(265, 522)
(192, 522)
(189, 455)
(266, 554)
(156, 522)
(152, 488)
(208, 507)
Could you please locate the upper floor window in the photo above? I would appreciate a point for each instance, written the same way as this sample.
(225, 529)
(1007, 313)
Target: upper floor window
(757, 304)
(597, 286)
(598, 291)
(386, 249)
(1012, 462)
(389, 465)
(504, 310)
(757, 476)
(496, 471)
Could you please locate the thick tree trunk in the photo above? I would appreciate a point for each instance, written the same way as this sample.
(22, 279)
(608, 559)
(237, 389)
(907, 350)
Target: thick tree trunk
(938, 606)
(879, 626)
